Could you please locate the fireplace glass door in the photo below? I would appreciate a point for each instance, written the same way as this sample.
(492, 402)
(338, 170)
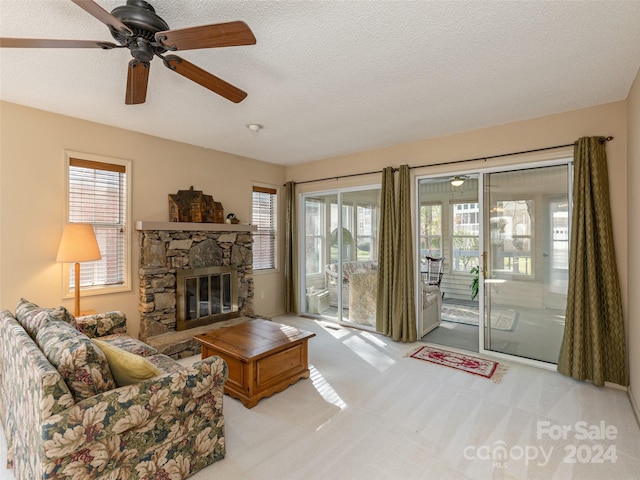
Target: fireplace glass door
(206, 295)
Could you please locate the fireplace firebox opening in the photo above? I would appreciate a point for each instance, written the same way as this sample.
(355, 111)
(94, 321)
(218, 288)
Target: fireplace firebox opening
(206, 295)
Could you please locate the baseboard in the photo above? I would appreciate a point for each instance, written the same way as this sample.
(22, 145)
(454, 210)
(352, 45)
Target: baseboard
(616, 386)
(634, 404)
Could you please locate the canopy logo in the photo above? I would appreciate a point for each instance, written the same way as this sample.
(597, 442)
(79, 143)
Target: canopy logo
(589, 451)
(500, 454)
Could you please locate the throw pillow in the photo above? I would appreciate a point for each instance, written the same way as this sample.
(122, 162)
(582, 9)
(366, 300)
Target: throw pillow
(33, 318)
(24, 307)
(61, 313)
(82, 365)
(127, 367)
(132, 345)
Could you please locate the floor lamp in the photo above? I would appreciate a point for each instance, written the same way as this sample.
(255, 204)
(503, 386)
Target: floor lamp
(78, 244)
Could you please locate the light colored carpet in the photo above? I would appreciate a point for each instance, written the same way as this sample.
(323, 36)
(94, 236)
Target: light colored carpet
(371, 412)
(501, 318)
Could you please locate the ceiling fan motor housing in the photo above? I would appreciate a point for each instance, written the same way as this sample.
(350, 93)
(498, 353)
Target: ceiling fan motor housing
(143, 21)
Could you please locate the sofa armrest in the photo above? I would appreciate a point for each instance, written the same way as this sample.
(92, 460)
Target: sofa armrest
(102, 324)
(31, 390)
(136, 409)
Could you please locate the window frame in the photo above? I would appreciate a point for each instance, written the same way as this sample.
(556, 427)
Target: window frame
(475, 261)
(319, 238)
(366, 211)
(529, 272)
(426, 236)
(86, 291)
(275, 191)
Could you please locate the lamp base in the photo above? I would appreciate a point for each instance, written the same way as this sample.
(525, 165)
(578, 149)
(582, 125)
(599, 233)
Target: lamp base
(76, 305)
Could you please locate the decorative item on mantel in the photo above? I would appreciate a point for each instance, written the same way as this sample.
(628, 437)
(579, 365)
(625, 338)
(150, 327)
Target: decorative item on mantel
(232, 219)
(193, 206)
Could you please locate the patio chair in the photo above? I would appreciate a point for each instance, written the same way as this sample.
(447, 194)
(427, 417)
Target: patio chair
(434, 271)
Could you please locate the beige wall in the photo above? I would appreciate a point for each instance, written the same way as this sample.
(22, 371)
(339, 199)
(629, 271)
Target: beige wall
(32, 197)
(633, 180)
(565, 128)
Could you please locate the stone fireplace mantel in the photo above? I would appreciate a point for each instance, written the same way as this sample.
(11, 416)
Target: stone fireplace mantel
(194, 227)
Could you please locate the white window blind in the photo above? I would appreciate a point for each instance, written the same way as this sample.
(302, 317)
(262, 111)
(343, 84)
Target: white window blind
(98, 195)
(265, 214)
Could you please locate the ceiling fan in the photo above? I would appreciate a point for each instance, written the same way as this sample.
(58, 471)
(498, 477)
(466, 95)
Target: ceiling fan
(136, 26)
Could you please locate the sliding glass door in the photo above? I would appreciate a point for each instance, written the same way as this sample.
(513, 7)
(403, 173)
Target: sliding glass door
(449, 228)
(504, 237)
(525, 261)
(340, 252)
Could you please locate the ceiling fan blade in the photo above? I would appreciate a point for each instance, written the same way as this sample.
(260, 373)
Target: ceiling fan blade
(137, 81)
(54, 43)
(204, 78)
(207, 36)
(105, 17)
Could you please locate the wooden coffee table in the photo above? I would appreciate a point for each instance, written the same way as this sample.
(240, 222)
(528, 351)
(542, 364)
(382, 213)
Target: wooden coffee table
(263, 357)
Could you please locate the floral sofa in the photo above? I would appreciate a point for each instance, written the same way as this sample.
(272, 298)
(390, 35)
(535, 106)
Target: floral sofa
(64, 416)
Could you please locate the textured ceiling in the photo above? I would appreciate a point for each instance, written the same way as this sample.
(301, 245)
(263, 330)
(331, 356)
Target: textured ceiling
(333, 77)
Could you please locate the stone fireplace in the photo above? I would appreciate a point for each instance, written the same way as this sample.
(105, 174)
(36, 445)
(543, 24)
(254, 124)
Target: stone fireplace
(218, 254)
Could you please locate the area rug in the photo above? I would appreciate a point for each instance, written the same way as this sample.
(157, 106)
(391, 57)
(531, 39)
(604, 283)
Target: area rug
(474, 365)
(501, 318)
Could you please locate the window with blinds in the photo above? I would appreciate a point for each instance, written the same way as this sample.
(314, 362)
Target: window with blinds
(97, 194)
(264, 216)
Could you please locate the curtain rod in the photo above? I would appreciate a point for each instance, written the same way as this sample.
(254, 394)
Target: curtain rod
(602, 140)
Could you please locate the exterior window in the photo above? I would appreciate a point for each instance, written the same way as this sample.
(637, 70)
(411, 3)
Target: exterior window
(511, 231)
(466, 236)
(265, 216)
(314, 241)
(98, 194)
(431, 230)
(365, 241)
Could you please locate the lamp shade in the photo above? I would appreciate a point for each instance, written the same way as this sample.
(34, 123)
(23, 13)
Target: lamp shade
(78, 244)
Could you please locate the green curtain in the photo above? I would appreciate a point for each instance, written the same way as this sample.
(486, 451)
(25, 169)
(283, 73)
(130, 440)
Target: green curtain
(593, 347)
(395, 307)
(290, 251)
(386, 246)
(404, 311)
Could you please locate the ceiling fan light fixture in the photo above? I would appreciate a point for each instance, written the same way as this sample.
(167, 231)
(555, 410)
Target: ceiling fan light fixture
(457, 181)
